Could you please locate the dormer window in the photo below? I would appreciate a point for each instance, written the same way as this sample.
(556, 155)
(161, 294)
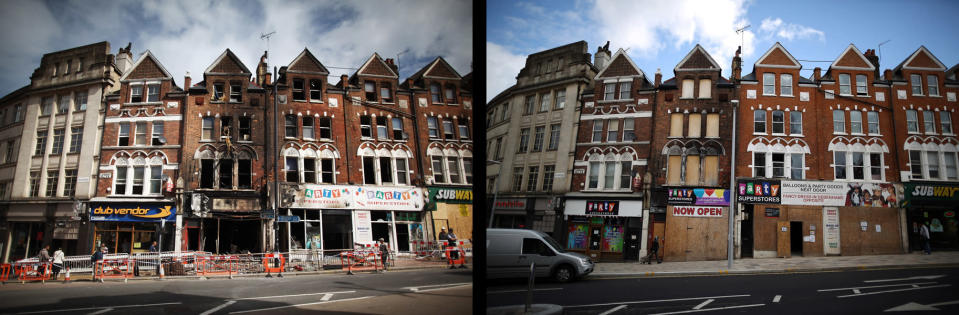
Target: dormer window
(386, 93)
(136, 94)
(153, 93)
(369, 87)
(298, 94)
(218, 91)
(933, 84)
(845, 88)
(450, 94)
(236, 92)
(435, 91)
(316, 90)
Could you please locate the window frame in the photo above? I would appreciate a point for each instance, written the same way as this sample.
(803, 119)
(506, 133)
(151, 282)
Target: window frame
(862, 85)
(915, 81)
(845, 88)
(838, 120)
(793, 124)
(912, 125)
(855, 119)
(932, 84)
(769, 81)
(757, 121)
(785, 82)
(298, 93)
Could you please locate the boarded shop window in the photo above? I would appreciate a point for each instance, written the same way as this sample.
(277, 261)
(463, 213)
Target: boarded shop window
(711, 170)
(692, 170)
(577, 236)
(695, 125)
(676, 125)
(705, 86)
(688, 86)
(674, 170)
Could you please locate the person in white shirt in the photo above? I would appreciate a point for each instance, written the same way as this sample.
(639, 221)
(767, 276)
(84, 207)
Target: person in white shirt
(924, 232)
(57, 262)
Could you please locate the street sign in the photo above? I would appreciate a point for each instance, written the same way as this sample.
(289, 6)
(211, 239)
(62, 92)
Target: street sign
(268, 214)
(289, 218)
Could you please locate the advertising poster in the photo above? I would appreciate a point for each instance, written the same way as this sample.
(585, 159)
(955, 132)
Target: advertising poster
(813, 193)
(873, 195)
(377, 198)
(758, 191)
(323, 197)
(693, 211)
(830, 222)
(577, 236)
(364, 231)
(698, 197)
(613, 239)
(602, 207)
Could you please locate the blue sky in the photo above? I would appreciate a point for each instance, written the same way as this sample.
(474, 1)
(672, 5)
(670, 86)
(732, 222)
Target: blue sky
(658, 34)
(188, 35)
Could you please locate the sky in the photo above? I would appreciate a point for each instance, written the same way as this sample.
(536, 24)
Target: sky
(658, 34)
(188, 35)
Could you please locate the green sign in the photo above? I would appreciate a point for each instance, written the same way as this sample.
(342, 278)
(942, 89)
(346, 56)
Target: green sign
(918, 194)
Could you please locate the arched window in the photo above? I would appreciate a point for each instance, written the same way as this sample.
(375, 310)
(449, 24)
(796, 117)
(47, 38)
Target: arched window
(139, 175)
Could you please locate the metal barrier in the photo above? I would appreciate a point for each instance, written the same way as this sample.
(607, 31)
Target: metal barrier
(5, 271)
(114, 269)
(360, 260)
(32, 271)
(274, 262)
(218, 265)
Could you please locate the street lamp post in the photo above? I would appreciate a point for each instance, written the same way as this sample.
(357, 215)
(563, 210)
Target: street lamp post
(492, 208)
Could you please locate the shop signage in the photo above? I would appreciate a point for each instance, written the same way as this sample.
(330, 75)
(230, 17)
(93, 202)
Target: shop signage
(772, 212)
(129, 212)
(758, 191)
(604, 207)
(358, 197)
(289, 218)
(266, 214)
(451, 195)
(235, 205)
(826, 193)
(323, 197)
(698, 196)
(511, 204)
(949, 214)
(930, 194)
(364, 229)
(693, 211)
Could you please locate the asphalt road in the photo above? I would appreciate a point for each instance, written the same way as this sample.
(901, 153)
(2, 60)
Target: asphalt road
(439, 291)
(872, 291)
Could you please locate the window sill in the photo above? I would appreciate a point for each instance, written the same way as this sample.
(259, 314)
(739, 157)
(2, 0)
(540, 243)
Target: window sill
(913, 133)
(874, 135)
(142, 103)
(839, 133)
(302, 101)
(316, 101)
(207, 141)
(917, 95)
(703, 98)
(948, 134)
(779, 134)
(857, 134)
(862, 95)
(759, 133)
(452, 104)
(936, 96)
(847, 95)
(797, 135)
(764, 94)
(784, 95)
(932, 133)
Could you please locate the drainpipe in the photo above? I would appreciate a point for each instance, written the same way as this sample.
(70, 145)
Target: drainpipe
(419, 155)
(732, 187)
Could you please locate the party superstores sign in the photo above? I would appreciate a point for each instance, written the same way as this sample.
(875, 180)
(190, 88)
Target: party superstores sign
(125, 212)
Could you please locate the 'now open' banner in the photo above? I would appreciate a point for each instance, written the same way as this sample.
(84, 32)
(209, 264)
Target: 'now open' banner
(691, 211)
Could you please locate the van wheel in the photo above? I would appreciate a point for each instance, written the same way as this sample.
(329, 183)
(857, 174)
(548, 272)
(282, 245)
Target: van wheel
(563, 274)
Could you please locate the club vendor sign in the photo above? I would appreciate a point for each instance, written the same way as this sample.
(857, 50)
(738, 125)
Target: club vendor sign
(698, 197)
(930, 194)
(131, 212)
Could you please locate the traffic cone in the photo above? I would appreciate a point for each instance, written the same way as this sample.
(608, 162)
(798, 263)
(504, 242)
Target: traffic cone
(161, 272)
(67, 279)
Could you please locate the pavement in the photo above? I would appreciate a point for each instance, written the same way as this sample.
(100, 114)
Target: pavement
(776, 265)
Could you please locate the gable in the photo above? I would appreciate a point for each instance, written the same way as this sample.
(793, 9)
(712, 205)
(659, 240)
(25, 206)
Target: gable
(778, 57)
(620, 67)
(306, 62)
(148, 69)
(441, 69)
(851, 60)
(227, 63)
(376, 66)
(697, 59)
(922, 60)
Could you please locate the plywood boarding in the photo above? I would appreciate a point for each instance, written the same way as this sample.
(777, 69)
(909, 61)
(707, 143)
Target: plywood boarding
(452, 216)
(675, 237)
(855, 241)
(695, 239)
(809, 216)
(764, 229)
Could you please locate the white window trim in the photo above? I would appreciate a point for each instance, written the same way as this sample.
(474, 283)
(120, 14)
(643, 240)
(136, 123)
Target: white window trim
(601, 184)
(147, 171)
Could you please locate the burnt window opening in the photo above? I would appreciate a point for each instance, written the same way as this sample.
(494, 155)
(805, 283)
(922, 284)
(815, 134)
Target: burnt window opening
(291, 126)
(369, 88)
(226, 173)
(316, 90)
(298, 94)
(236, 92)
(292, 170)
(206, 173)
(309, 170)
(723, 97)
(326, 128)
(218, 91)
(366, 130)
(226, 127)
(381, 131)
(326, 168)
(369, 170)
(246, 129)
(386, 170)
(669, 97)
(244, 174)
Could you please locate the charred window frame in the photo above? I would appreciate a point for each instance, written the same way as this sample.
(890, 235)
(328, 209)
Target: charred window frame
(326, 128)
(366, 130)
(369, 88)
(290, 126)
(246, 131)
(316, 90)
(298, 93)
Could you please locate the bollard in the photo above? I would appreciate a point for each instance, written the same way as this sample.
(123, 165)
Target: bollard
(529, 289)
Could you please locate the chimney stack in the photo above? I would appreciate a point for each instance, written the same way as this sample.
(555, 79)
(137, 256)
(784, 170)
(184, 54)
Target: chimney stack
(262, 72)
(737, 65)
(871, 56)
(389, 62)
(601, 58)
(124, 59)
(187, 81)
(659, 77)
(887, 75)
(266, 79)
(344, 80)
(816, 74)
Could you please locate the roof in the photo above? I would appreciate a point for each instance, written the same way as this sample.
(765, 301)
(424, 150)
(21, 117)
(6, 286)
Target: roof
(699, 60)
(370, 62)
(227, 55)
(842, 56)
(318, 66)
(427, 72)
(621, 53)
(145, 56)
(770, 52)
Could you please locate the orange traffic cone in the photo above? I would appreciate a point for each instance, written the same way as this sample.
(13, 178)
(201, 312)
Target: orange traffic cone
(67, 279)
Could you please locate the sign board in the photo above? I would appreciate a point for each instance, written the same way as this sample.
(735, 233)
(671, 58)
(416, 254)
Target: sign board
(235, 205)
(698, 196)
(511, 204)
(131, 212)
(838, 194)
(364, 230)
(289, 218)
(694, 211)
(758, 191)
(602, 207)
(388, 198)
(266, 214)
(830, 223)
(930, 194)
(450, 195)
(772, 212)
(323, 197)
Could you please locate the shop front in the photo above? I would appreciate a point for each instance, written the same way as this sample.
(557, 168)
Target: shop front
(600, 229)
(128, 227)
(228, 223)
(696, 224)
(510, 213)
(26, 227)
(451, 208)
(933, 204)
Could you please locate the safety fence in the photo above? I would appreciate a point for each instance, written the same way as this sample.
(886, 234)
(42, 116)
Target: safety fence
(206, 264)
(429, 250)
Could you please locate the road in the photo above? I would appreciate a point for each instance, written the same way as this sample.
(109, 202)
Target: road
(435, 291)
(871, 291)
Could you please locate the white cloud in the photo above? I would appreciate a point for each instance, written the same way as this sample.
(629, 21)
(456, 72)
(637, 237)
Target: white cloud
(771, 27)
(648, 27)
(502, 66)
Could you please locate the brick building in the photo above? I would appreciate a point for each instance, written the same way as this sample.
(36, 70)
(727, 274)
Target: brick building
(604, 209)
(139, 161)
(692, 137)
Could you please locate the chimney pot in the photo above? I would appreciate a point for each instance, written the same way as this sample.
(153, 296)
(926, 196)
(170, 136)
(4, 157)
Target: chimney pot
(266, 78)
(817, 73)
(187, 81)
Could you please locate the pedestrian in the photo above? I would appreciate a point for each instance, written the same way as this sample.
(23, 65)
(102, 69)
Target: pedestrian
(443, 236)
(384, 252)
(155, 251)
(57, 262)
(43, 258)
(96, 258)
(924, 233)
(654, 252)
(451, 245)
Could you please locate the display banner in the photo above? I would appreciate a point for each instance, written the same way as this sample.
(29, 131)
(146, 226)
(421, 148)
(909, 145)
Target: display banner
(693, 211)
(758, 191)
(930, 194)
(130, 212)
(323, 197)
(830, 220)
(605, 207)
(364, 228)
(828, 193)
(358, 197)
(698, 197)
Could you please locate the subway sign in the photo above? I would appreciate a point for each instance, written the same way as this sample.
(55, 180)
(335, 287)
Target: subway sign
(930, 194)
(451, 195)
(128, 212)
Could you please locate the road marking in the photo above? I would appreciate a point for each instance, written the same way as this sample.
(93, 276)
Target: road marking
(904, 279)
(326, 297)
(97, 308)
(298, 305)
(913, 306)
(417, 288)
(896, 290)
(654, 301)
(101, 311)
(514, 291)
(613, 310)
(856, 291)
(215, 309)
(704, 303)
(290, 295)
(876, 286)
(443, 288)
(776, 298)
(711, 309)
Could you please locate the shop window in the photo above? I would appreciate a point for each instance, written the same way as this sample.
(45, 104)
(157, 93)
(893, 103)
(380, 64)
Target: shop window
(292, 170)
(366, 130)
(206, 173)
(316, 90)
(244, 174)
(308, 128)
(290, 126)
(326, 128)
(123, 138)
(298, 93)
(226, 173)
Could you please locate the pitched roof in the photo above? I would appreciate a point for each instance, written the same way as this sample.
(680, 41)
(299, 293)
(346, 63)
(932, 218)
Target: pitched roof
(620, 65)
(227, 62)
(145, 67)
(852, 59)
(697, 60)
(377, 67)
(778, 57)
(305, 62)
(921, 59)
(437, 69)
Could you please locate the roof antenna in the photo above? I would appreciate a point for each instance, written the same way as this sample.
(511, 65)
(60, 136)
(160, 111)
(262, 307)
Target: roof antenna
(267, 37)
(742, 34)
(880, 48)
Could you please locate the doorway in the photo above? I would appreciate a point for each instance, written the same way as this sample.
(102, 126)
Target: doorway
(746, 233)
(795, 238)
(595, 241)
(403, 237)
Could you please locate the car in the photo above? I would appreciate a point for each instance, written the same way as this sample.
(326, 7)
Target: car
(510, 252)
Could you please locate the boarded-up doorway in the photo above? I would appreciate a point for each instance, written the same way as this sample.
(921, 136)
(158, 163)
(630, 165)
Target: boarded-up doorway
(782, 239)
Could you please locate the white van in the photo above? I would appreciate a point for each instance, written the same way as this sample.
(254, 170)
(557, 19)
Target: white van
(509, 253)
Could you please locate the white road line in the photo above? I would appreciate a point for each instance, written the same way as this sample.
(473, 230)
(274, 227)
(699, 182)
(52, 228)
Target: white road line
(215, 309)
(514, 291)
(443, 288)
(776, 298)
(654, 301)
(856, 291)
(896, 290)
(875, 286)
(101, 311)
(417, 288)
(326, 297)
(298, 305)
(613, 310)
(711, 309)
(910, 278)
(704, 303)
(98, 307)
(290, 295)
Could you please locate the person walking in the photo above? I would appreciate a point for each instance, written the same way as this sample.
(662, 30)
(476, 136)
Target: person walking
(57, 262)
(384, 252)
(654, 252)
(43, 258)
(96, 258)
(924, 233)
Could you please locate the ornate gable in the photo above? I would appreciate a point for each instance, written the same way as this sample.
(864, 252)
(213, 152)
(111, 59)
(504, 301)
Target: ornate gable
(778, 57)
(620, 65)
(852, 58)
(697, 59)
(306, 62)
(376, 66)
(922, 59)
(227, 63)
(440, 69)
(147, 68)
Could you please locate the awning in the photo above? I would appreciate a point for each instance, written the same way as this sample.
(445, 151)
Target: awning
(626, 208)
